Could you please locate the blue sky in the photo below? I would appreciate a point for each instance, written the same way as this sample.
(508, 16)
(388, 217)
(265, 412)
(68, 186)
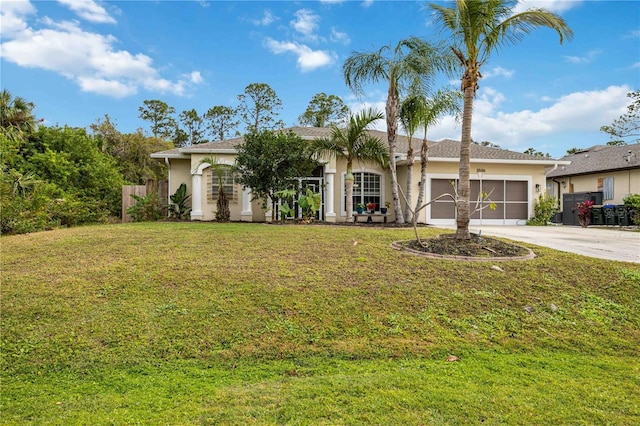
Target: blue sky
(80, 59)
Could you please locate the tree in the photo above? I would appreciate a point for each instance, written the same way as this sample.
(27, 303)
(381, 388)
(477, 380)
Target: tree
(269, 161)
(351, 143)
(533, 151)
(324, 111)
(486, 143)
(193, 127)
(574, 150)
(628, 125)
(161, 117)
(16, 116)
(221, 122)
(430, 111)
(477, 29)
(409, 120)
(223, 214)
(412, 63)
(258, 108)
(132, 151)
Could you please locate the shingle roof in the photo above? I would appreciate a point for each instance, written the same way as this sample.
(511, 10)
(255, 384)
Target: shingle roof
(600, 158)
(446, 148)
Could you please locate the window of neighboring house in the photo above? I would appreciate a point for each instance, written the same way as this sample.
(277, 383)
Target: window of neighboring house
(228, 184)
(607, 188)
(367, 188)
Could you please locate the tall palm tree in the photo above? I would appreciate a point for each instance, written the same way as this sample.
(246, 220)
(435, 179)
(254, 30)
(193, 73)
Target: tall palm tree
(353, 142)
(412, 63)
(477, 28)
(430, 111)
(16, 116)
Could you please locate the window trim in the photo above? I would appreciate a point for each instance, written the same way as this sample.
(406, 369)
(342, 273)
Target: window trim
(343, 194)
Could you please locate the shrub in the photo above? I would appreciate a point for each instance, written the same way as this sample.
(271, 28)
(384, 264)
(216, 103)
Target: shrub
(633, 201)
(546, 206)
(146, 208)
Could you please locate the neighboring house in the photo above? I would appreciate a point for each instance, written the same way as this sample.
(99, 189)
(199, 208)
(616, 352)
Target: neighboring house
(613, 171)
(513, 179)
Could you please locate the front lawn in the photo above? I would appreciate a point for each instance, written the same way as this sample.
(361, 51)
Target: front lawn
(200, 323)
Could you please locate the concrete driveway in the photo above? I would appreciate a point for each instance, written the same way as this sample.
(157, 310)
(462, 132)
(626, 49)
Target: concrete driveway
(603, 243)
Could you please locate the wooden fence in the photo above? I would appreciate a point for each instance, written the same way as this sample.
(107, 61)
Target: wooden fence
(152, 186)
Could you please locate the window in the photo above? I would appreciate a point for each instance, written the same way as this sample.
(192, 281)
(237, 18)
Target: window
(607, 188)
(228, 184)
(366, 189)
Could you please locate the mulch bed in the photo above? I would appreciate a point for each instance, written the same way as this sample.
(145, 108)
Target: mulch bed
(478, 248)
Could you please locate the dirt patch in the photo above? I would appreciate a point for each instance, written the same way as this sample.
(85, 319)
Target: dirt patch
(478, 248)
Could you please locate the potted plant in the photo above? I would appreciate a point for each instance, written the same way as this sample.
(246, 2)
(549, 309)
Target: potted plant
(371, 206)
(360, 208)
(386, 207)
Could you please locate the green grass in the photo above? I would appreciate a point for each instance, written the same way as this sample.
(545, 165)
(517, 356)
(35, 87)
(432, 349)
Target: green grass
(181, 323)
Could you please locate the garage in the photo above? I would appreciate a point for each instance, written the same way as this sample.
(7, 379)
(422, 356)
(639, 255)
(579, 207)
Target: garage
(510, 197)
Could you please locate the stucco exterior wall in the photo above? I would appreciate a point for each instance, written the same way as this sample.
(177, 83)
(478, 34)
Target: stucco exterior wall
(533, 174)
(186, 171)
(625, 182)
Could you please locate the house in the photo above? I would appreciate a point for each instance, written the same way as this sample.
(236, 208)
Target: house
(603, 173)
(513, 179)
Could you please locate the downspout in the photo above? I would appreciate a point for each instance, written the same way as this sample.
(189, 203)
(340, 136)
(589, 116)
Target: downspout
(168, 164)
(555, 166)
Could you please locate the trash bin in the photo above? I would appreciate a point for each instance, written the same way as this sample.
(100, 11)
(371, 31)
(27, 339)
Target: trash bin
(623, 215)
(609, 213)
(598, 216)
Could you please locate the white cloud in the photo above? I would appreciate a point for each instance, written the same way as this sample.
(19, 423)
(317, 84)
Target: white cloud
(87, 58)
(306, 23)
(12, 16)
(339, 37)
(497, 71)
(636, 65)
(308, 59)
(556, 6)
(332, 1)
(267, 19)
(89, 10)
(575, 112)
(195, 77)
(367, 3)
(632, 34)
(589, 57)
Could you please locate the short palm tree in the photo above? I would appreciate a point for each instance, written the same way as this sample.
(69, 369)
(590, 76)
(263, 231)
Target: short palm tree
(353, 142)
(430, 111)
(16, 116)
(412, 63)
(477, 28)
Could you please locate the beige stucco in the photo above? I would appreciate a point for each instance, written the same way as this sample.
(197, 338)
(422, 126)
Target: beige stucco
(533, 174)
(191, 170)
(625, 182)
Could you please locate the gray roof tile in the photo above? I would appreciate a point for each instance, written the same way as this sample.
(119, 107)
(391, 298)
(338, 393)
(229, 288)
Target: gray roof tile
(446, 148)
(600, 158)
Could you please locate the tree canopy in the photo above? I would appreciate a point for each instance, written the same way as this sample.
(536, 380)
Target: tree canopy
(270, 161)
(323, 111)
(259, 108)
(628, 125)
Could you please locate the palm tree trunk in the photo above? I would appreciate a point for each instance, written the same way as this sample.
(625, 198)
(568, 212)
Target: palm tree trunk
(408, 217)
(464, 186)
(424, 149)
(392, 114)
(348, 182)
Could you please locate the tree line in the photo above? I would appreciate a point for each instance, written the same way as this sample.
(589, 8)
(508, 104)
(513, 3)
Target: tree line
(258, 109)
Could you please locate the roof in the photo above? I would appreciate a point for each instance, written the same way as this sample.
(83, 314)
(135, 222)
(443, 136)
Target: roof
(600, 158)
(445, 150)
